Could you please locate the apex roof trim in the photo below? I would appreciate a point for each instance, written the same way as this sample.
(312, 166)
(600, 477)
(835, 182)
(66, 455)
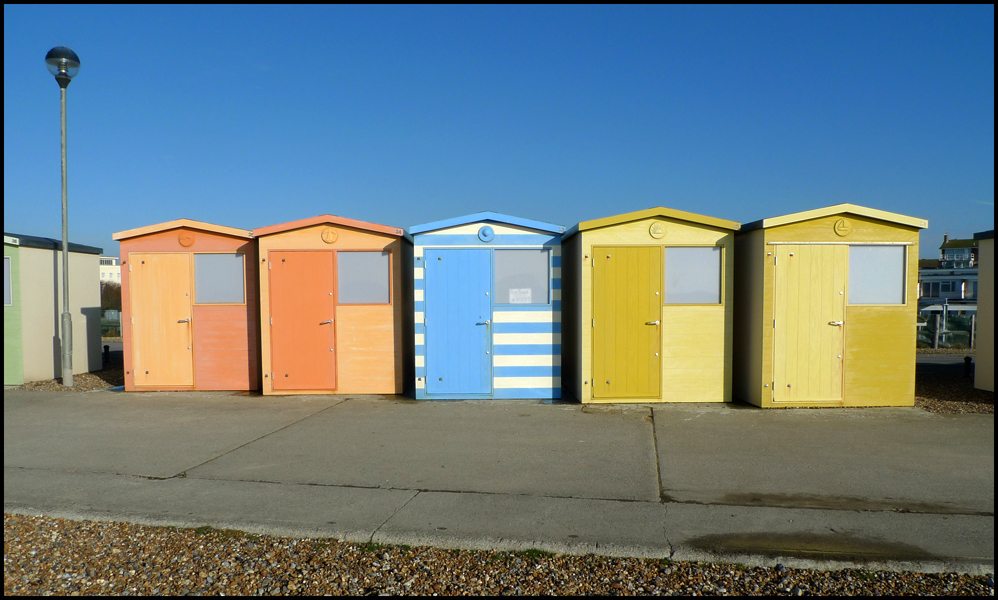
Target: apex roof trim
(177, 224)
(330, 220)
(855, 209)
(658, 211)
(488, 216)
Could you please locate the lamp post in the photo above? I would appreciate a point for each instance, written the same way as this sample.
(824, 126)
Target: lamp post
(64, 64)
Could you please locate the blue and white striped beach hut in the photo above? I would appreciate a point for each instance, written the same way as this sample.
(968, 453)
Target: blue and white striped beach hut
(487, 308)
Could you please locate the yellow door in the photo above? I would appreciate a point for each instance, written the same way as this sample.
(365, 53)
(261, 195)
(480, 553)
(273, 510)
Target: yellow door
(808, 329)
(627, 309)
(160, 299)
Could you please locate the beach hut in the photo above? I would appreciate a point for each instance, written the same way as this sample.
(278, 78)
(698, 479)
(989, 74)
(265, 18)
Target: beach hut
(487, 308)
(333, 307)
(984, 374)
(189, 307)
(32, 305)
(826, 307)
(648, 305)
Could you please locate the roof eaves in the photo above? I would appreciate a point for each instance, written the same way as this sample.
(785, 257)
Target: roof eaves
(487, 216)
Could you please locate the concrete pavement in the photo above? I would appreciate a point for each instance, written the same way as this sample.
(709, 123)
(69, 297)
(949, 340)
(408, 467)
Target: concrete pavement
(894, 488)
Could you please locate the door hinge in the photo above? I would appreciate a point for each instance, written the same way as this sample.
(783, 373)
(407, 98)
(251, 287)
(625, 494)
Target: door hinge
(774, 261)
(132, 319)
(271, 320)
(594, 322)
(269, 265)
(774, 323)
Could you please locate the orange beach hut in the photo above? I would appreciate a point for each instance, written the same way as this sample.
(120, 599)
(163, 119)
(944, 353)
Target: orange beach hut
(333, 301)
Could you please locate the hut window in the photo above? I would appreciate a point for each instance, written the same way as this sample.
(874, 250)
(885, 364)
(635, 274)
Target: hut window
(364, 277)
(218, 279)
(693, 275)
(7, 299)
(523, 276)
(876, 274)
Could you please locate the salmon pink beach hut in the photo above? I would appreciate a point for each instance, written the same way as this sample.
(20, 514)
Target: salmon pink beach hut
(333, 303)
(189, 307)
(487, 308)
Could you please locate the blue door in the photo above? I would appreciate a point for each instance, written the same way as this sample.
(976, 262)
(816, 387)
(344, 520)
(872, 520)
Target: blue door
(458, 312)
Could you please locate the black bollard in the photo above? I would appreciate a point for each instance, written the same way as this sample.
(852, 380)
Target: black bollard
(968, 367)
(107, 353)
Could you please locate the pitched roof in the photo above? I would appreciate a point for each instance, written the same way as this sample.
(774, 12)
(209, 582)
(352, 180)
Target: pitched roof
(854, 209)
(928, 263)
(330, 220)
(30, 241)
(658, 211)
(177, 224)
(959, 244)
(488, 216)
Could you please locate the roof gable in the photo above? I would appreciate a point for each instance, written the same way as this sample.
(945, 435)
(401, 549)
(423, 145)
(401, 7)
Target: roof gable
(958, 244)
(177, 224)
(487, 216)
(330, 220)
(658, 211)
(854, 209)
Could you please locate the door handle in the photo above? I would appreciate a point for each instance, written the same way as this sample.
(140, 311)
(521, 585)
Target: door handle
(486, 322)
(835, 323)
(326, 322)
(184, 321)
(652, 323)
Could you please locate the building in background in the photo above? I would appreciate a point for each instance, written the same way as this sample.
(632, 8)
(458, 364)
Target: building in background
(947, 295)
(110, 269)
(952, 278)
(32, 303)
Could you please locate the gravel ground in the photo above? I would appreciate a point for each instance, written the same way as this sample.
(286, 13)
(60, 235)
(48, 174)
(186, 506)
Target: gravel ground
(56, 556)
(951, 394)
(960, 351)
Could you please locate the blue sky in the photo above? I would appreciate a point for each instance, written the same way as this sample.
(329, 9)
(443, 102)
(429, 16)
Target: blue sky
(251, 116)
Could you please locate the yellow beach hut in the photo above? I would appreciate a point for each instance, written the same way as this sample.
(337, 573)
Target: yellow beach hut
(648, 308)
(826, 306)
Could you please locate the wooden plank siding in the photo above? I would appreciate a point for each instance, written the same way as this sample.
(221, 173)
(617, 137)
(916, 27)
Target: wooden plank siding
(526, 340)
(370, 350)
(696, 341)
(225, 336)
(878, 364)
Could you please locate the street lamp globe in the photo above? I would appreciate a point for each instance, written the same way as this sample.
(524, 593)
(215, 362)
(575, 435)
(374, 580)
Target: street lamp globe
(63, 63)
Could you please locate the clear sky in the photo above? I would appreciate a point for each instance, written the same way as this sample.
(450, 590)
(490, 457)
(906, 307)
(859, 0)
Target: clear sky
(251, 116)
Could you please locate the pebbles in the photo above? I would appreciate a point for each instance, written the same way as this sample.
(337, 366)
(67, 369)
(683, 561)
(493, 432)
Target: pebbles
(947, 393)
(56, 556)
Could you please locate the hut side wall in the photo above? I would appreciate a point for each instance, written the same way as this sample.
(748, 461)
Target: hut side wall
(368, 359)
(696, 339)
(13, 348)
(571, 321)
(879, 358)
(226, 338)
(41, 308)
(749, 308)
(985, 375)
(531, 325)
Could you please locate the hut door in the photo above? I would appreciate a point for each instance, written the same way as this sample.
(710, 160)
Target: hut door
(809, 308)
(302, 328)
(627, 310)
(162, 332)
(458, 321)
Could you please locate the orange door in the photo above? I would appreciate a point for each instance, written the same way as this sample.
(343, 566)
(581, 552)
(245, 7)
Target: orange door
(160, 292)
(302, 328)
